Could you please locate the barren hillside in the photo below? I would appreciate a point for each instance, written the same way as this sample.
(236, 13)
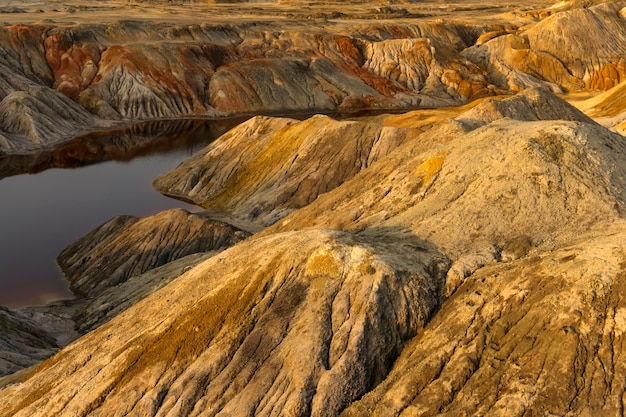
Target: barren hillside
(463, 256)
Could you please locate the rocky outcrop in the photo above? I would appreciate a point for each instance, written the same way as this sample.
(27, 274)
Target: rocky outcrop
(227, 337)
(267, 167)
(127, 246)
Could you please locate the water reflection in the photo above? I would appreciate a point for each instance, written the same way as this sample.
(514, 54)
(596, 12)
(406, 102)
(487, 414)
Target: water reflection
(41, 214)
(141, 139)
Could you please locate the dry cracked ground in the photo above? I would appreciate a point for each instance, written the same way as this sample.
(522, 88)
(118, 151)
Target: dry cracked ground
(462, 252)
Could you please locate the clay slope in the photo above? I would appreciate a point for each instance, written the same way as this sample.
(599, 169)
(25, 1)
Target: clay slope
(266, 168)
(127, 246)
(509, 227)
(545, 335)
(305, 328)
(568, 50)
(36, 117)
(608, 108)
(110, 269)
(469, 190)
(24, 342)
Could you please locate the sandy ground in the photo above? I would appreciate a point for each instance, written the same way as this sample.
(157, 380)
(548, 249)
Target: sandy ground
(84, 11)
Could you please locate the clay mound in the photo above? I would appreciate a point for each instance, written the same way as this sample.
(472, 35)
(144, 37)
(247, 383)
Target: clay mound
(546, 180)
(307, 327)
(578, 39)
(266, 168)
(43, 116)
(568, 50)
(541, 336)
(530, 105)
(127, 246)
(36, 117)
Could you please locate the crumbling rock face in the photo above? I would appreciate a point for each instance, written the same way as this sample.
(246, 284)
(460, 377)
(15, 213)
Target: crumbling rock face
(127, 246)
(423, 67)
(147, 81)
(306, 328)
(23, 50)
(266, 167)
(73, 61)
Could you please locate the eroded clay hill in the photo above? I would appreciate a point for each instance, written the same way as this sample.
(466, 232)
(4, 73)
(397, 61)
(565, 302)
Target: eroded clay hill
(166, 237)
(476, 268)
(267, 167)
(60, 79)
(299, 328)
(459, 261)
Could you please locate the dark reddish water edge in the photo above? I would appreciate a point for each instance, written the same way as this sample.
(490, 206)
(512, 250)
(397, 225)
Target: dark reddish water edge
(44, 208)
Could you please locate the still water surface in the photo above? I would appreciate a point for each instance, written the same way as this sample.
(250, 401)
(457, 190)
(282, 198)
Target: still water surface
(42, 213)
